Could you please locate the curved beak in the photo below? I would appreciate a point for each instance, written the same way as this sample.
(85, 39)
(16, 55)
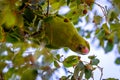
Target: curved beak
(85, 51)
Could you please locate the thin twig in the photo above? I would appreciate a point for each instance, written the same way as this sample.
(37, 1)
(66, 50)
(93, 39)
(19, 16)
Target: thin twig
(103, 10)
(48, 2)
(1, 76)
(92, 76)
(101, 69)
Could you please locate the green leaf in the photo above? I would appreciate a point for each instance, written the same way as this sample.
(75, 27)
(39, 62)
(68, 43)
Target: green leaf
(95, 61)
(88, 34)
(14, 35)
(97, 19)
(18, 60)
(56, 4)
(117, 5)
(118, 46)
(102, 43)
(2, 66)
(68, 2)
(108, 47)
(74, 14)
(78, 29)
(111, 79)
(111, 37)
(29, 74)
(66, 49)
(48, 56)
(79, 67)
(118, 35)
(92, 57)
(9, 73)
(113, 15)
(81, 74)
(115, 27)
(19, 21)
(100, 34)
(58, 56)
(71, 61)
(88, 73)
(28, 15)
(78, 2)
(63, 78)
(105, 28)
(56, 64)
(117, 61)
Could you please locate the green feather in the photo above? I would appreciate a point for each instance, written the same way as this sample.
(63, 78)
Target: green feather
(60, 32)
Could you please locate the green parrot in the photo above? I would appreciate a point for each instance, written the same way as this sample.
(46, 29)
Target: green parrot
(60, 32)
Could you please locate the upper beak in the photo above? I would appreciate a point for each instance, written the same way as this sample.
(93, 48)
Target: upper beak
(85, 51)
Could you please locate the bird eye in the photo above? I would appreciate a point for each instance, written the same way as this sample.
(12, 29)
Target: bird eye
(80, 47)
(66, 20)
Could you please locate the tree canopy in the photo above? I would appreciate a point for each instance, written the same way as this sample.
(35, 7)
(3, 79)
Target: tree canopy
(31, 32)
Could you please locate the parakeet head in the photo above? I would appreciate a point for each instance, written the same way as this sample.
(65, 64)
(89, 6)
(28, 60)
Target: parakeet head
(80, 45)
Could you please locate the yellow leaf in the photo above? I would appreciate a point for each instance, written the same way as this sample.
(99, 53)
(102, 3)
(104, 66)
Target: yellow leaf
(2, 35)
(9, 17)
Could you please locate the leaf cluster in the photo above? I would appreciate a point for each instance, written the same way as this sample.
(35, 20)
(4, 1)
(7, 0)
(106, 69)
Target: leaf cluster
(81, 68)
(20, 31)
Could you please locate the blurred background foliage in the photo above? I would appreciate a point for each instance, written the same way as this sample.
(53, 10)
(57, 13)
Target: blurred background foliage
(22, 55)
